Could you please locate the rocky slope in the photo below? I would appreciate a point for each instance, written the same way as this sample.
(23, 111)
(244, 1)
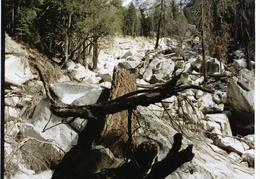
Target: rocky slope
(36, 140)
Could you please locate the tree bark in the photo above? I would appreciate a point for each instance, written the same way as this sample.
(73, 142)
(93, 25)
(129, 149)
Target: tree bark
(117, 134)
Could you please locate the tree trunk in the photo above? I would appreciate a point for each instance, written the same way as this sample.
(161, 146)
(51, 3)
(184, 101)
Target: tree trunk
(204, 57)
(16, 4)
(203, 44)
(118, 133)
(249, 65)
(84, 55)
(159, 27)
(66, 50)
(95, 53)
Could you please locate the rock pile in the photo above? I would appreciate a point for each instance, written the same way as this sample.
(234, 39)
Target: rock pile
(204, 119)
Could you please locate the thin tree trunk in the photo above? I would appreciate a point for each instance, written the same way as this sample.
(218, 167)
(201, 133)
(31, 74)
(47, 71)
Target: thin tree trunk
(95, 53)
(66, 51)
(159, 27)
(203, 44)
(204, 57)
(249, 65)
(84, 55)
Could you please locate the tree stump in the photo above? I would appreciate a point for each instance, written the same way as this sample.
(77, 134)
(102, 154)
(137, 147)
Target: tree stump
(118, 135)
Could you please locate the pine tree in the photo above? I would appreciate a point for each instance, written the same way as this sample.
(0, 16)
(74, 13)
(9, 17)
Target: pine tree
(130, 19)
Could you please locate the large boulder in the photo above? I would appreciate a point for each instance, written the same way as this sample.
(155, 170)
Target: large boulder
(79, 93)
(17, 70)
(45, 126)
(241, 100)
(80, 74)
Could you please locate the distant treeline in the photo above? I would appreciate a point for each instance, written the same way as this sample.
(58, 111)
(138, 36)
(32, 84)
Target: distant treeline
(71, 29)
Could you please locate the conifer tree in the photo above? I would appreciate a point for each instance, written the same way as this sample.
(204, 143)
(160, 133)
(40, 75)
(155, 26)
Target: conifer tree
(130, 19)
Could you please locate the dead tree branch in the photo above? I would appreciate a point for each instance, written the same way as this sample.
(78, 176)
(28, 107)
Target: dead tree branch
(95, 114)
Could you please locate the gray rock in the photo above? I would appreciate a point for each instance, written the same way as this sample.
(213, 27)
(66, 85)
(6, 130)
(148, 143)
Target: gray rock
(223, 121)
(153, 64)
(241, 97)
(47, 127)
(235, 157)
(127, 65)
(81, 74)
(189, 92)
(199, 94)
(250, 140)
(249, 157)
(147, 75)
(224, 98)
(12, 128)
(196, 64)
(212, 127)
(79, 93)
(156, 78)
(127, 54)
(11, 112)
(239, 54)
(17, 70)
(166, 68)
(231, 144)
(12, 101)
(213, 66)
(188, 68)
(207, 100)
(106, 77)
(217, 99)
(239, 63)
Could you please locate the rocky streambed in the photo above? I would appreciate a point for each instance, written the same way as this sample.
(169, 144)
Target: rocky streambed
(220, 125)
